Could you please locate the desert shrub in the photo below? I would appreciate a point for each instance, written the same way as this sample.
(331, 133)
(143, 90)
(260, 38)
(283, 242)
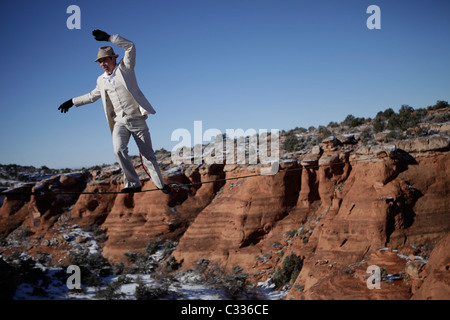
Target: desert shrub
(404, 119)
(153, 246)
(213, 272)
(379, 123)
(233, 284)
(394, 135)
(381, 119)
(94, 261)
(20, 268)
(291, 143)
(44, 258)
(440, 104)
(172, 264)
(110, 292)
(438, 118)
(92, 266)
(289, 271)
(323, 131)
(407, 117)
(366, 135)
(159, 291)
(142, 262)
(333, 124)
(201, 265)
(353, 121)
(169, 247)
(98, 234)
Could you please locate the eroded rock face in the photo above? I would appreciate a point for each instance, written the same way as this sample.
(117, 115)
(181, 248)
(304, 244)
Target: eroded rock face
(36, 204)
(436, 284)
(340, 209)
(239, 218)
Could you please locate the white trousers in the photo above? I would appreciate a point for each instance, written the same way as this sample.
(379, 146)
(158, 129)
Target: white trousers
(122, 132)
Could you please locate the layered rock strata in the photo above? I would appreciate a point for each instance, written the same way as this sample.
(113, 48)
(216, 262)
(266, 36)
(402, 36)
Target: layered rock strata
(340, 209)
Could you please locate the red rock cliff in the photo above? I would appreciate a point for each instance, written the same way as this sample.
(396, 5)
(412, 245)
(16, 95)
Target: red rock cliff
(340, 210)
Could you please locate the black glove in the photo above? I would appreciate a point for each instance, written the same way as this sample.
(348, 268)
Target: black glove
(66, 106)
(100, 35)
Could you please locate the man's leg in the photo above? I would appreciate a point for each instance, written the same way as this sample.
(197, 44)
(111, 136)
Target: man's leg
(143, 140)
(121, 137)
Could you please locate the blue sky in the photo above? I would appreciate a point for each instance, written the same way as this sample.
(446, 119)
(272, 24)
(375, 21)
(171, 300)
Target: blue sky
(261, 64)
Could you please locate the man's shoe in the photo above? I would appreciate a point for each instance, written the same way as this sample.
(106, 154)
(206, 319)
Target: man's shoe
(166, 189)
(131, 190)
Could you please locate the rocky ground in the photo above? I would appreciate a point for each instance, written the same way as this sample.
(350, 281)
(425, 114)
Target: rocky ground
(346, 202)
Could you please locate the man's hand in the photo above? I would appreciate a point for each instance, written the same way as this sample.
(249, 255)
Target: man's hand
(100, 35)
(66, 106)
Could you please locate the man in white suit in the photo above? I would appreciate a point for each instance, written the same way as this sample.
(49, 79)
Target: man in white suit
(126, 110)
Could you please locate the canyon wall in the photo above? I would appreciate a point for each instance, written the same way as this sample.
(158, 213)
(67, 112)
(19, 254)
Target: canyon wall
(339, 209)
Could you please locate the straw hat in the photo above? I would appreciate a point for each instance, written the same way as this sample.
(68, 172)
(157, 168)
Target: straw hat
(104, 52)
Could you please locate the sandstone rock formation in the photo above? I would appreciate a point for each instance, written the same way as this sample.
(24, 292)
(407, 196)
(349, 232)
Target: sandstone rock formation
(341, 209)
(437, 282)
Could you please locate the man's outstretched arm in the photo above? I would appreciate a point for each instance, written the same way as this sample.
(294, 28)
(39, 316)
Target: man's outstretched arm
(129, 58)
(90, 97)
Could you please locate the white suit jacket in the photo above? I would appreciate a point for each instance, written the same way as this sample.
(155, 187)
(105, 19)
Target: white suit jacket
(125, 74)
